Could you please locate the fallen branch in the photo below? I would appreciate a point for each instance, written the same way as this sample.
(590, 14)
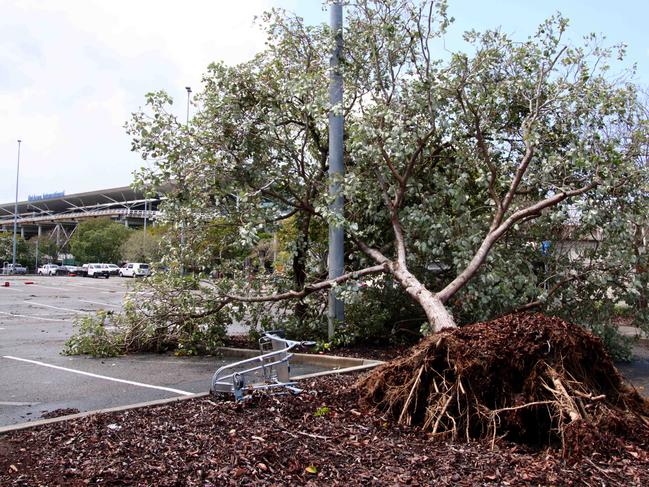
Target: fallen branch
(308, 289)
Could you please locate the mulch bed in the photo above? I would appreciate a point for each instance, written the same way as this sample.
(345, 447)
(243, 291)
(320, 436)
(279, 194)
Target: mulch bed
(523, 400)
(319, 437)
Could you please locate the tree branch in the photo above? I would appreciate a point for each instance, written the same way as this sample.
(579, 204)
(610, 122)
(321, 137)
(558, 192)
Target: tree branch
(371, 252)
(308, 289)
(520, 171)
(493, 236)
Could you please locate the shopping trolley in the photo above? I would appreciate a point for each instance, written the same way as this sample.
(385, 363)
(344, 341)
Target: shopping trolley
(270, 370)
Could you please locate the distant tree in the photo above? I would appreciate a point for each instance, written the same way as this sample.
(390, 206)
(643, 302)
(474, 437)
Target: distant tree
(6, 249)
(141, 247)
(47, 250)
(99, 241)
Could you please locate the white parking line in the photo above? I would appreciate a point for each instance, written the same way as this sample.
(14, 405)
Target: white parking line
(96, 376)
(100, 304)
(34, 317)
(65, 283)
(56, 307)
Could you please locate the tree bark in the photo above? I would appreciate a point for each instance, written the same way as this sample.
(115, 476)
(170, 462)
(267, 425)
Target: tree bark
(436, 312)
(638, 249)
(299, 262)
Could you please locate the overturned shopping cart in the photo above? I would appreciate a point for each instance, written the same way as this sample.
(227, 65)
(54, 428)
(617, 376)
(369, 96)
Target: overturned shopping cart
(270, 370)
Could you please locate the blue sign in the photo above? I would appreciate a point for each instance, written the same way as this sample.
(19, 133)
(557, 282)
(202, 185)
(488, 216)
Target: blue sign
(545, 247)
(45, 196)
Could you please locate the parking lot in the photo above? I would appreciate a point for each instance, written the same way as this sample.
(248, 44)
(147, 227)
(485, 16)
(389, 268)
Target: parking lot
(35, 321)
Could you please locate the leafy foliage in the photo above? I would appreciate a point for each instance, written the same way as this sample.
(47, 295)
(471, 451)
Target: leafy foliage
(26, 250)
(457, 170)
(175, 321)
(144, 247)
(92, 338)
(99, 241)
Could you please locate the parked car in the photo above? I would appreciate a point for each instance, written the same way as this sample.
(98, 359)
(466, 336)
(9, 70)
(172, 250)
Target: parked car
(48, 270)
(11, 269)
(97, 270)
(112, 269)
(71, 269)
(134, 269)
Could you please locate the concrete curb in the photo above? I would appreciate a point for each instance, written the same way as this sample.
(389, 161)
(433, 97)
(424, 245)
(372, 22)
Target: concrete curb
(116, 409)
(347, 365)
(346, 370)
(305, 358)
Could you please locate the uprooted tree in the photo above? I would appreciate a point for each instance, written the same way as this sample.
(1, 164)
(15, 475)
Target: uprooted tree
(457, 168)
(527, 377)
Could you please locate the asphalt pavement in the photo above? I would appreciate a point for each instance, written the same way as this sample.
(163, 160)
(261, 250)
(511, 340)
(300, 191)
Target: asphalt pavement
(637, 371)
(35, 321)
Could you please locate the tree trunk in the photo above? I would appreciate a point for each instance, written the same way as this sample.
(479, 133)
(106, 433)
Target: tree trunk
(639, 249)
(299, 263)
(438, 316)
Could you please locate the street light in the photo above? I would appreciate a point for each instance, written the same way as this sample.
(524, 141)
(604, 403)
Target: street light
(189, 92)
(13, 260)
(336, 314)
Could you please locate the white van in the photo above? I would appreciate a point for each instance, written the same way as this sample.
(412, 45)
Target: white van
(134, 269)
(97, 270)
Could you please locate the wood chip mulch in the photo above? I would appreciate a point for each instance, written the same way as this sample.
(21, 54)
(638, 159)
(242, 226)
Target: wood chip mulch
(319, 437)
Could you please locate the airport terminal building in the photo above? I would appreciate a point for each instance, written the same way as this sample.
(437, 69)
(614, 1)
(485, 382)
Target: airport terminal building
(57, 215)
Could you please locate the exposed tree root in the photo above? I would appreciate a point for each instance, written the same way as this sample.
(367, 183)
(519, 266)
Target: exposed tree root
(525, 377)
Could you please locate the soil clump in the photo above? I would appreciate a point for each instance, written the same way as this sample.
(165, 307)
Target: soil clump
(527, 378)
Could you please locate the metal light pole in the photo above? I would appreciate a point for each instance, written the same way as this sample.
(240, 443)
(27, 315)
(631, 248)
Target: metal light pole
(38, 243)
(336, 312)
(189, 92)
(13, 259)
(182, 223)
(144, 234)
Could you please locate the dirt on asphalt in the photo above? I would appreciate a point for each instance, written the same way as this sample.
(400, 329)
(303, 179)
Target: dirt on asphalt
(56, 413)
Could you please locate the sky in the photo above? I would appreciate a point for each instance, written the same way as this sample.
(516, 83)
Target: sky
(73, 71)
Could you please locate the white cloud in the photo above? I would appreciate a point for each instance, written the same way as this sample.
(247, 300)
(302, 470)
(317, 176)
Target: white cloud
(72, 72)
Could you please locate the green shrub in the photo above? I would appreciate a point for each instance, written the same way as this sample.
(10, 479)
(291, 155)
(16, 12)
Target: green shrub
(92, 338)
